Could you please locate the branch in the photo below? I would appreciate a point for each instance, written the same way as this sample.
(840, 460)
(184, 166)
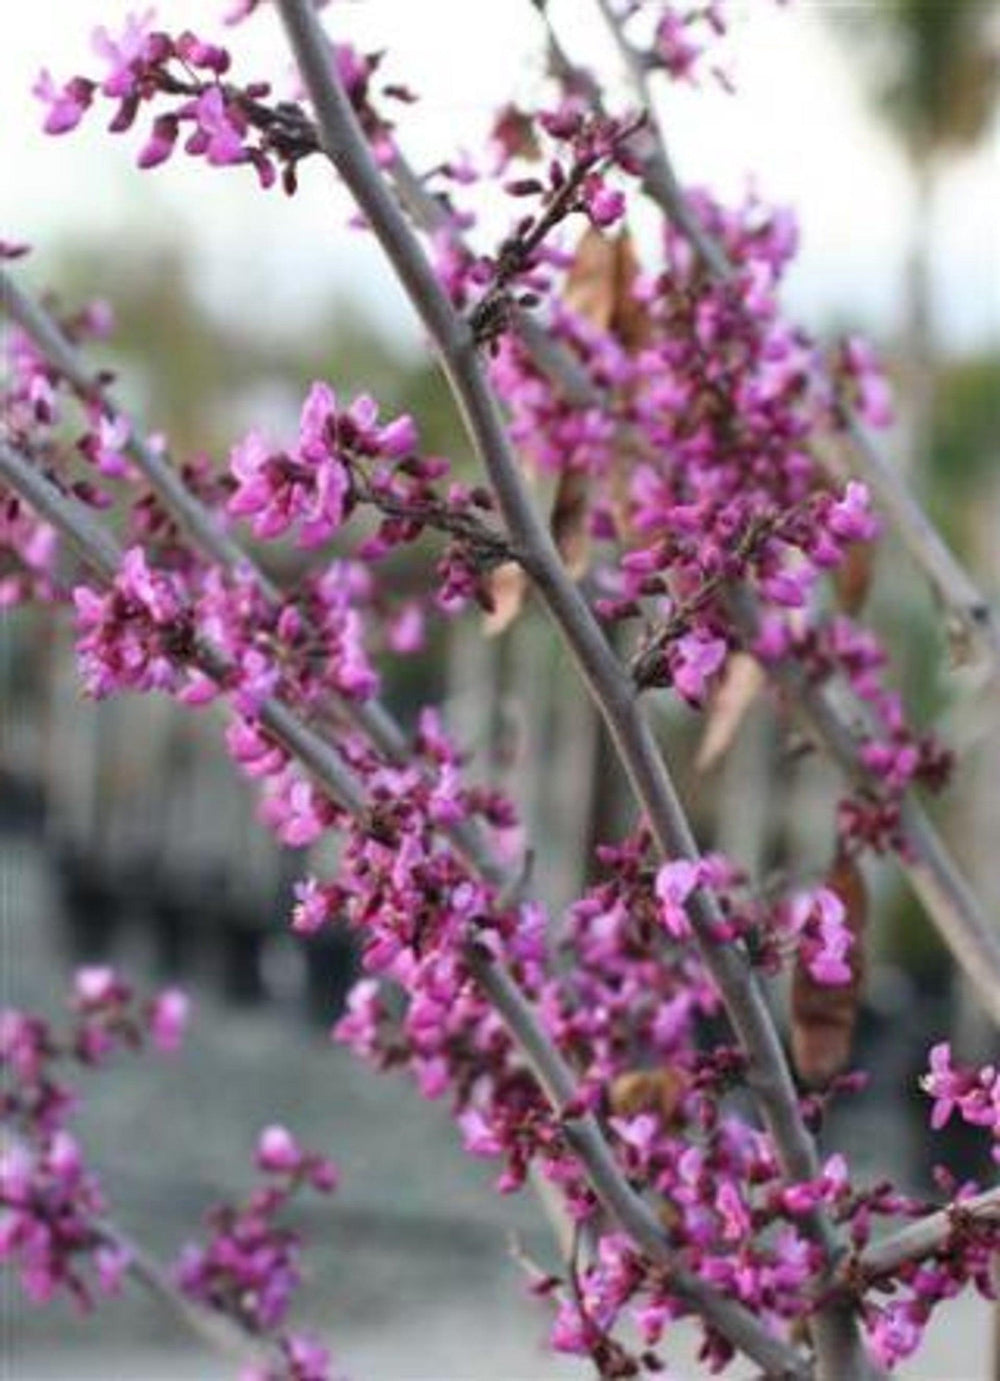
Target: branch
(554, 1076)
(102, 556)
(970, 617)
(922, 1238)
(218, 1330)
(345, 145)
(968, 609)
(222, 1333)
(210, 537)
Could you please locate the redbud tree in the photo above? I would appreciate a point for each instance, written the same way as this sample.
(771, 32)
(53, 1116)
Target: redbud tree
(717, 495)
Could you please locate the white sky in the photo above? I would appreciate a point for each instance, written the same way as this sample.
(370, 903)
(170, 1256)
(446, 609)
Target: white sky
(798, 125)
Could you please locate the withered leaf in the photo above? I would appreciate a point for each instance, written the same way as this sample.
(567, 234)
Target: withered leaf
(630, 322)
(600, 287)
(823, 1017)
(590, 283)
(507, 588)
(658, 1091)
(853, 577)
(568, 520)
(741, 683)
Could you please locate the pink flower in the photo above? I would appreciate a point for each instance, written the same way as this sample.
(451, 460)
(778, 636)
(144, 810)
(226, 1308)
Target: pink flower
(278, 1151)
(825, 940)
(97, 986)
(851, 518)
(168, 1018)
(694, 659)
(111, 1262)
(478, 1136)
(405, 633)
(896, 1332)
(220, 129)
(67, 104)
(674, 884)
(312, 908)
(123, 54)
(604, 205)
(161, 142)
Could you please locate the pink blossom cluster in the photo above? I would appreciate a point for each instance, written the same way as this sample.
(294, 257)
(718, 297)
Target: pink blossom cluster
(51, 1203)
(54, 1223)
(696, 451)
(185, 79)
(974, 1094)
(249, 1268)
(310, 485)
(30, 547)
(143, 64)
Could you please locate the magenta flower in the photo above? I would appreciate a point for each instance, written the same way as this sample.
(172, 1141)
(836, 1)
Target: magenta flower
(695, 659)
(674, 884)
(277, 1150)
(220, 129)
(604, 205)
(851, 518)
(168, 1019)
(67, 104)
(825, 939)
(123, 54)
(161, 142)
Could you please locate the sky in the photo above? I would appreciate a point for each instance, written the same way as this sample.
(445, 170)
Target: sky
(798, 130)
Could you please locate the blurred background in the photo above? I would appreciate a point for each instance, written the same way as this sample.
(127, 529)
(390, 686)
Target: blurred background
(125, 835)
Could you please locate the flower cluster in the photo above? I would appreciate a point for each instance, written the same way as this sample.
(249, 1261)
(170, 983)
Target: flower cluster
(974, 1094)
(249, 1269)
(51, 1204)
(30, 548)
(683, 455)
(222, 123)
(310, 484)
(134, 636)
(212, 117)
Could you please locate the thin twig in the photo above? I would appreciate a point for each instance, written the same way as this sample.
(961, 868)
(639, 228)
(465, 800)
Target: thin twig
(583, 1134)
(211, 538)
(921, 1239)
(219, 1331)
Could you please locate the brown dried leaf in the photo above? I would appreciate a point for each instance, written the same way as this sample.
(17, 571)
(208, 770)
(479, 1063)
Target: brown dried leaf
(740, 685)
(658, 1091)
(823, 1017)
(568, 521)
(630, 320)
(853, 577)
(600, 287)
(514, 130)
(591, 281)
(506, 587)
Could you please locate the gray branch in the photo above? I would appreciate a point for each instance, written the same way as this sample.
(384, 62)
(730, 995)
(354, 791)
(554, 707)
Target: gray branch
(345, 144)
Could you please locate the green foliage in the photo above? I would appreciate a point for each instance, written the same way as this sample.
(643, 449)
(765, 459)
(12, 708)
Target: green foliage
(965, 447)
(933, 67)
